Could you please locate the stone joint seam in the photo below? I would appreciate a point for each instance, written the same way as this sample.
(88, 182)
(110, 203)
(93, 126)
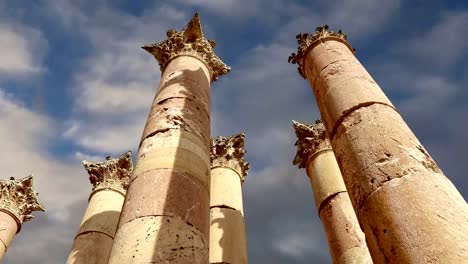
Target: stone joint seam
(93, 231)
(315, 155)
(18, 222)
(352, 110)
(327, 200)
(105, 189)
(6, 248)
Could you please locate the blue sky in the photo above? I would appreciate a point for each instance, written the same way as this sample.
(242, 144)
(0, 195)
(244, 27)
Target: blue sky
(75, 84)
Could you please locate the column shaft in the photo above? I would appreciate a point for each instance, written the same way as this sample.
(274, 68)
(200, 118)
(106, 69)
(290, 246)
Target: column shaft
(165, 216)
(94, 240)
(345, 238)
(228, 243)
(8, 229)
(409, 211)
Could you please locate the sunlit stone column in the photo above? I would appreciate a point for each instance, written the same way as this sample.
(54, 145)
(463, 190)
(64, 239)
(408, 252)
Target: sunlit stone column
(17, 201)
(166, 213)
(409, 211)
(110, 180)
(228, 243)
(314, 153)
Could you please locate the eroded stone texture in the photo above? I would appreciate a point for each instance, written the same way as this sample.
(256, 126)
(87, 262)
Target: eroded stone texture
(396, 188)
(228, 243)
(110, 180)
(17, 201)
(331, 198)
(169, 190)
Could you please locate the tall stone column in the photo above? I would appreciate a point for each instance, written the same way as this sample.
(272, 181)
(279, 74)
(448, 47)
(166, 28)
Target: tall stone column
(314, 153)
(228, 243)
(17, 201)
(409, 211)
(110, 180)
(165, 217)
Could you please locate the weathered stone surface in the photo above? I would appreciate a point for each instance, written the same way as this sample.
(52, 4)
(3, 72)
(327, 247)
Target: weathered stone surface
(311, 139)
(8, 230)
(228, 243)
(355, 255)
(159, 239)
(91, 248)
(325, 177)
(189, 42)
(171, 193)
(226, 189)
(403, 224)
(229, 152)
(114, 173)
(409, 211)
(18, 198)
(341, 226)
(374, 145)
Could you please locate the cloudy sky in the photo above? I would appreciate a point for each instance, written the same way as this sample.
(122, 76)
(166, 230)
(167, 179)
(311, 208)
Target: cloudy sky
(75, 84)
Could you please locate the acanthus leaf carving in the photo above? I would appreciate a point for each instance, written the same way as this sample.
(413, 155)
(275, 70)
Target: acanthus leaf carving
(191, 42)
(114, 173)
(306, 40)
(18, 197)
(229, 152)
(310, 140)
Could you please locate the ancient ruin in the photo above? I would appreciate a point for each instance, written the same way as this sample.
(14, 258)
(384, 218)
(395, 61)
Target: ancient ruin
(379, 194)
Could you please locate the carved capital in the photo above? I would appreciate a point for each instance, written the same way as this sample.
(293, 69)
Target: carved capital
(114, 173)
(229, 152)
(310, 140)
(18, 198)
(191, 42)
(307, 41)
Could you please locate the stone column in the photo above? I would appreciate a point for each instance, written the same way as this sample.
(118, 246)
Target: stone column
(17, 201)
(409, 211)
(110, 180)
(314, 153)
(228, 243)
(165, 217)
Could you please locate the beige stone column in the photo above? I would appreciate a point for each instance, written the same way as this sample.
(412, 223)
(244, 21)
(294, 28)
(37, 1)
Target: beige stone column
(110, 180)
(17, 201)
(314, 153)
(409, 211)
(228, 243)
(165, 217)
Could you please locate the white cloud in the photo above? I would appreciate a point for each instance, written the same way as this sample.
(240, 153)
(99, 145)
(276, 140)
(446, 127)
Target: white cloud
(22, 49)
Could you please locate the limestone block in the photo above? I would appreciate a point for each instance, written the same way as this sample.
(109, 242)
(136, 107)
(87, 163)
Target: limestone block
(193, 67)
(227, 237)
(159, 239)
(325, 176)
(373, 145)
(170, 193)
(90, 248)
(418, 218)
(177, 150)
(226, 189)
(341, 226)
(324, 54)
(8, 229)
(355, 255)
(102, 214)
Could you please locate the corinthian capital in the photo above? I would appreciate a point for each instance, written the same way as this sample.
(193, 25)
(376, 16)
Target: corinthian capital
(229, 152)
(19, 199)
(310, 140)
(114, 173)
(191, 42)
(307, 41)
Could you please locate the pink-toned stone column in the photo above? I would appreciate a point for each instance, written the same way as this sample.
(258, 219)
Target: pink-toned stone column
(314, 153)
(409, 211)
(17, 201)
(110, 180)
(166, 213)
(228, 243)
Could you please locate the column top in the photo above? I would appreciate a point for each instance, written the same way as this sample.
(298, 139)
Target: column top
(229, 152)
(114, 173)
(190, 41)
(310, 140)
(19, 199)
(308, 41)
